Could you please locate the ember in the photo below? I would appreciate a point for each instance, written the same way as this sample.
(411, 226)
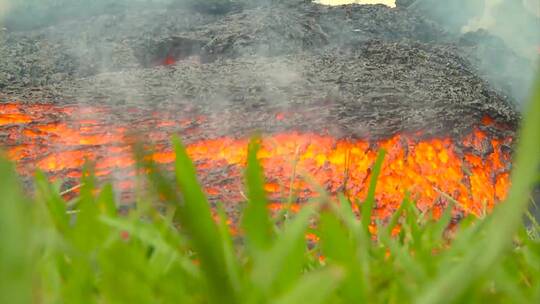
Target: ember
(474, 171)
(169, 60)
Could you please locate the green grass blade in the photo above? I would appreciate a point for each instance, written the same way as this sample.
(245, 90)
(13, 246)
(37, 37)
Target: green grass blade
(345, 209)
(106, 201)
(442, 224)
(361, 238)
(87, 231)
(255, 221)
(152, 237)
(336, 243)
(196, 218)
(369, 203)
(396, 216)
(412, 217)
(54, 202)
(314, 288)
(281, 266)
(15, 246)
(340, 247)
(232, 263)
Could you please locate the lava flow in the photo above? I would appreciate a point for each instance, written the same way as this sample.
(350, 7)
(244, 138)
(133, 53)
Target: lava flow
(58, 140)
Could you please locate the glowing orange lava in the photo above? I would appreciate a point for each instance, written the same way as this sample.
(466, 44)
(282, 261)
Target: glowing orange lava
(59, 140)
(169, 60)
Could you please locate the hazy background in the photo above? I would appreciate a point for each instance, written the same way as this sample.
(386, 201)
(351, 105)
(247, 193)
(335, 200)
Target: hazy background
(513, 24)
(515, 21)
(29, 14)
(3, 7)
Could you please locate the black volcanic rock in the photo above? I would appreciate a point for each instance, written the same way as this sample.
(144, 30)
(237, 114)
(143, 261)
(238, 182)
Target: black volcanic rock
(357, 70)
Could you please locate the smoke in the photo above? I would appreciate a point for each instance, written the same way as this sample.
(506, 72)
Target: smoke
(32, 14)
(4, 7)
(506, 34)
(514, 21)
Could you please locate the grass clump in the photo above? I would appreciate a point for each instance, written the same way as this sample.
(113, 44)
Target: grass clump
(85, 252)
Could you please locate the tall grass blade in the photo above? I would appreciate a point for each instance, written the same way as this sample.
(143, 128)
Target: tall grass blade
(15, 246)
(196, 218)
(340, 247)
(54, 202)
(106, 201)
(442, 224)
(231, 261)
(314, 288)
(369, 203)
(151, 236)
(281, 266)
(255, 221)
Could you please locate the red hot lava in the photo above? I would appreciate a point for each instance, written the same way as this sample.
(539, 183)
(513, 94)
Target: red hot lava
(58, 140)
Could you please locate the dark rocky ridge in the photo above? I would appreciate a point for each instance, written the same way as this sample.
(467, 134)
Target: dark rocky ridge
(359, 70)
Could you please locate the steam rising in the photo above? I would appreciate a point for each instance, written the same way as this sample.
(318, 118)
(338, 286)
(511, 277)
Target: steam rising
(4, 6)
(516, 23)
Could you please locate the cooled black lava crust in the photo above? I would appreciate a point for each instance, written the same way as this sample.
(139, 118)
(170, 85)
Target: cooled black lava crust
(354, 70)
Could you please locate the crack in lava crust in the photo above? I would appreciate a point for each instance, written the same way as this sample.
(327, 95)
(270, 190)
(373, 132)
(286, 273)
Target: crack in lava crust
(58, 140)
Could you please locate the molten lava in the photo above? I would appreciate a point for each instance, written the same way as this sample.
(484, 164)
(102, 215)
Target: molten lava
(169, 60)
(58, 140)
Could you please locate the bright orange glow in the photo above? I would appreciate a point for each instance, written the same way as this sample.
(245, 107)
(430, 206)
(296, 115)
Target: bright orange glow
(59, 140)
(169, 60)
(8, 119)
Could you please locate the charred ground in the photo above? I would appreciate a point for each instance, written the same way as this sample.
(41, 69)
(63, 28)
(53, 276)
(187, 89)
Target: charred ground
(350, 71)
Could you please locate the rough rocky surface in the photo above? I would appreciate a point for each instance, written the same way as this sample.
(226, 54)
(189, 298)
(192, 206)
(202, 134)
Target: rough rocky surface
(358, 70)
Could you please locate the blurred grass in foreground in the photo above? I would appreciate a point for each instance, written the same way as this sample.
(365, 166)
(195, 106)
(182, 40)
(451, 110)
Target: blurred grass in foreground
(85, 252)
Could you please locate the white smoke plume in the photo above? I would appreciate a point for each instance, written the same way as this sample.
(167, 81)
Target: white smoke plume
(501, 18)
(514, 23)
